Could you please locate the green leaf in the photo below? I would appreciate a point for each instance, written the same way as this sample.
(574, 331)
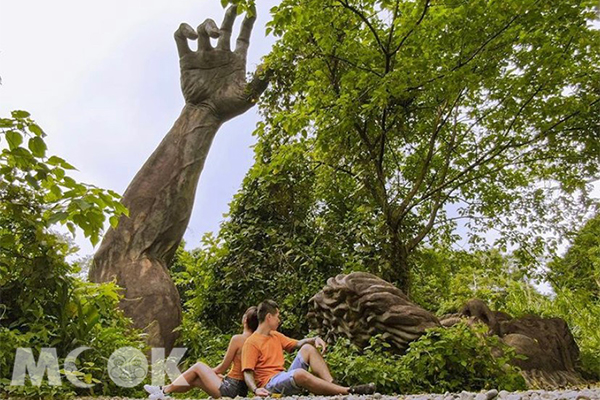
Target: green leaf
(36, 130)
(14, 139)
(6, 123)
(20, 114)
(58, 217)
(114, 221)
(37, 146)
(82, 204)
(32, 182)
(55, 161)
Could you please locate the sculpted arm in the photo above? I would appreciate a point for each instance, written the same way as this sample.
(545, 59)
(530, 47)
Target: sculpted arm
(161, 195)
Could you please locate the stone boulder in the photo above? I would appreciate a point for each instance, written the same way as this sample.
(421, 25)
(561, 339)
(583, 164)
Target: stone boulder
(360, 305)
(550, 348)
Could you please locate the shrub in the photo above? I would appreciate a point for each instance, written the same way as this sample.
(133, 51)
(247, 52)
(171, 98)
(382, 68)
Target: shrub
(94, 320)
(203, 344)
(444, 359)
(351, 366)
(42, 303)
(459, 358)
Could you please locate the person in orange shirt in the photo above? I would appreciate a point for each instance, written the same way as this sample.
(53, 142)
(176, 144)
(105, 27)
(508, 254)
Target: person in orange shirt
(210, 379)
(262, 361)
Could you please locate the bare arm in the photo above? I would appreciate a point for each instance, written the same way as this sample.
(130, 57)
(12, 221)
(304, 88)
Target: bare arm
(249, 378)
(234, 345)
(314, 341)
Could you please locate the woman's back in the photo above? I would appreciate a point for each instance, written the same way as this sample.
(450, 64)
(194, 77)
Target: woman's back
(236, 370)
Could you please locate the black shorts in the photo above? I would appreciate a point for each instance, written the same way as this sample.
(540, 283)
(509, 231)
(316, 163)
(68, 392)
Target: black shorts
(232, 387)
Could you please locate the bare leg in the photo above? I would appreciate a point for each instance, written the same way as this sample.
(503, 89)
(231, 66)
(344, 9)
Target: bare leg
(199, 375)
(315, 360)
(316, 385)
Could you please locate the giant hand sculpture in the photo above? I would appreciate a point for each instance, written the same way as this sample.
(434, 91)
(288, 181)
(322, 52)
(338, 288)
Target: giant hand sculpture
(161, 195)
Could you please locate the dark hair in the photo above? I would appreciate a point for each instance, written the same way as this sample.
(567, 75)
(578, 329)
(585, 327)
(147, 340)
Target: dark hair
(266, 307)
(251, 315)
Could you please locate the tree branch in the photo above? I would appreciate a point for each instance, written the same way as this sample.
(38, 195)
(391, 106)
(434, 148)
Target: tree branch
(346, 5)
(403, 209)
(471, 57)
(427, 2)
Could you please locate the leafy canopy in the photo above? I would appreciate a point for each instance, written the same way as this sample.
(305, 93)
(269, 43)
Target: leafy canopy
(483, 112)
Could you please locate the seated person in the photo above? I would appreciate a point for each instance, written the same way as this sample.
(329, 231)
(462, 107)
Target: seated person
(262, 361)
(210, 379)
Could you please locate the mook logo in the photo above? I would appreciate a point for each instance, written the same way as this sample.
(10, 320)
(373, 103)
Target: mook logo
(127, 367)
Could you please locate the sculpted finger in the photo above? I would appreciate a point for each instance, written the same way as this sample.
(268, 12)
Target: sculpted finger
(226, 28)
(182, 34)
(259, 83)
(206, 30)
(243, 40)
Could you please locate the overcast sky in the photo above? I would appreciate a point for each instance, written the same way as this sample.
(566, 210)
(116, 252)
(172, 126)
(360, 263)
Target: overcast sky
(102, 80)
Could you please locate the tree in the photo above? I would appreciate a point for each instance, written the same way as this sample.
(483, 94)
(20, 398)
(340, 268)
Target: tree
(579, 269)
(483, 112)
(272, 246)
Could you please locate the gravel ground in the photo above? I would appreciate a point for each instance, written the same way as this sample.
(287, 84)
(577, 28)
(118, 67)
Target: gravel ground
(579, 394)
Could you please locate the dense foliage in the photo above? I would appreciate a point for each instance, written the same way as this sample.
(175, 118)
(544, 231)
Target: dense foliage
(579, 269)
(575, 277)
(459, 358)
(446, 280)
(42, 304)
(272, 246)
(435, 112)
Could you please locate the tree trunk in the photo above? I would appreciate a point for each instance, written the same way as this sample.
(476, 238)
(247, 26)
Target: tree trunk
(398, 271)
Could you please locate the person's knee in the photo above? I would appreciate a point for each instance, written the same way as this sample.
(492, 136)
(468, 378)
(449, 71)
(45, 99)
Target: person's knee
(302, 377)
(307, 350)
(200, 367)
(308, 347)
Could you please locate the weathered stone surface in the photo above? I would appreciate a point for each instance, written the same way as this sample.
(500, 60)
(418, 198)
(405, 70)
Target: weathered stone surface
(548, 344)
(360, 305)
(160, 197)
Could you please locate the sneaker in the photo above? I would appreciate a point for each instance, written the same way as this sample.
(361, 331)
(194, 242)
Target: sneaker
(156, 392)
(152, 389)
(369, 388)
(159, 396)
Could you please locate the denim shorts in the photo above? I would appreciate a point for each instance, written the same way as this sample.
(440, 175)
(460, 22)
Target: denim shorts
(232, 387)
(284, 383)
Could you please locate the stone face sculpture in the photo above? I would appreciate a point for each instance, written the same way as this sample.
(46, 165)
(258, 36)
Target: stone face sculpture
(360, 305)
(161, 195)
(548, 344)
